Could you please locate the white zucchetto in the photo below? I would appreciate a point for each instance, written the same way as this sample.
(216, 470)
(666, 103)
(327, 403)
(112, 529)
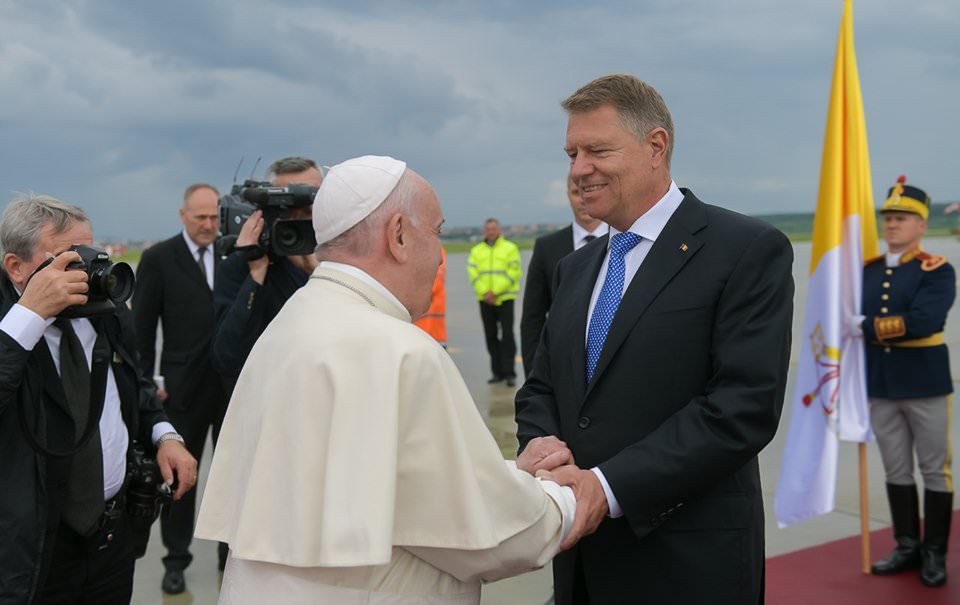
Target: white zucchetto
(351, 191)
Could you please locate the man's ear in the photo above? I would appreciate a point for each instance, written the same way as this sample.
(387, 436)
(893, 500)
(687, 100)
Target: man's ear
(659, 142)
(13, 265)
(397, 242)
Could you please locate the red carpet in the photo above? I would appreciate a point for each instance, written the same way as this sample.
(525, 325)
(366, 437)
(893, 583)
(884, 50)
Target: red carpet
(830, 573)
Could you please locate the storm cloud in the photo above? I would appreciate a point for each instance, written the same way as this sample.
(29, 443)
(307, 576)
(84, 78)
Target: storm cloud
(118, 106)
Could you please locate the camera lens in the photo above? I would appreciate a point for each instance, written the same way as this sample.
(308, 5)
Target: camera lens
(289, 238)
(116, 282)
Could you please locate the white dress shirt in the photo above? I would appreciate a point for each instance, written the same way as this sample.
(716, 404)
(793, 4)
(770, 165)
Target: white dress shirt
(580, 234)
(207, 257)
(27, 328)
(648, 226)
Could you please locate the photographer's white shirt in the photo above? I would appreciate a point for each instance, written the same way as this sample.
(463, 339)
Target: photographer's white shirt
(26, 327)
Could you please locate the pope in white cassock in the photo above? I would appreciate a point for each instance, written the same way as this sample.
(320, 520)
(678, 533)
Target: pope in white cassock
(353, 466)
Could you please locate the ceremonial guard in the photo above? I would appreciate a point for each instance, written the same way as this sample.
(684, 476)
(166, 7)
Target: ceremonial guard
(906, 296)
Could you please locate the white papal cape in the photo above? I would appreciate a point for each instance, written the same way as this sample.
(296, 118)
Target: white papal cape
(353, 466)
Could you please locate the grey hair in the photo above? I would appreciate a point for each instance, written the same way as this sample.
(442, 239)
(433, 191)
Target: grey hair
(639, 106)
(355, 241)
(291, 165)
(26, 216)
(197, 187)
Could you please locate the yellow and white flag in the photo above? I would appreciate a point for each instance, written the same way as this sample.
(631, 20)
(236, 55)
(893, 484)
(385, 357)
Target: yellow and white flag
(830, 393)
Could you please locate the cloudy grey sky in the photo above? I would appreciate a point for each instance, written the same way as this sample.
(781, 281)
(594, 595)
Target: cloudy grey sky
(117, 106)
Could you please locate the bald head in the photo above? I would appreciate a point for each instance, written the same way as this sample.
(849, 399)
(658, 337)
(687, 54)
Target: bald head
(398, 243)
(360, 240)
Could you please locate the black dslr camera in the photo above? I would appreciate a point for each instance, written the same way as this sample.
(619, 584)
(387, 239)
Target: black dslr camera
(281, 236)
(111, 284)
(146, 493)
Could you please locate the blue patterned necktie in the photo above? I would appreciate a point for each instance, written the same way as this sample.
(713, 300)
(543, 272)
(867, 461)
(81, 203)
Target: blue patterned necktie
(609, 298)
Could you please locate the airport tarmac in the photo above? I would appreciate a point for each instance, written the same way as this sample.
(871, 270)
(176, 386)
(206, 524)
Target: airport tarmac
(495, 403)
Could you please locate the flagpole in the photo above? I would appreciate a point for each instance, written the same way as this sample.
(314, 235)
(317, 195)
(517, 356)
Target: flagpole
(864, 509)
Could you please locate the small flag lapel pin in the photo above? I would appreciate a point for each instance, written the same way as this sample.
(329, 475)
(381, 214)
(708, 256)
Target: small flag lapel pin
(683, 247)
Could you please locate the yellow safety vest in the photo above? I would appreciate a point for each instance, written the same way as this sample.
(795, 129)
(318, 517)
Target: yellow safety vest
(495, 269)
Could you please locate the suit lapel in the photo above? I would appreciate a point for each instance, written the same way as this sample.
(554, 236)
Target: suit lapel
(585, 275)
(188, 263)
(675, 246)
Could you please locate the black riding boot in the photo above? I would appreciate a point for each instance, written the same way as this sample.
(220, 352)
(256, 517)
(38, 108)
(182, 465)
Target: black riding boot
(905, 511)
(937, 512)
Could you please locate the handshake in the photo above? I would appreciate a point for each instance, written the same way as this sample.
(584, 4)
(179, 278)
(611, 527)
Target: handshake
(550, 458)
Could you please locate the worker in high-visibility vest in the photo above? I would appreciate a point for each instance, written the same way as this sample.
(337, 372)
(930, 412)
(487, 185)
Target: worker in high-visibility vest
(494, 270)
(434, 321)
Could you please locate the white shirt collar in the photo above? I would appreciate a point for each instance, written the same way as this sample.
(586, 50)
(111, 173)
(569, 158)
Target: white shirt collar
(893, 258)
(652, 222)
(365, 278)
(579, 232)
(192, 245)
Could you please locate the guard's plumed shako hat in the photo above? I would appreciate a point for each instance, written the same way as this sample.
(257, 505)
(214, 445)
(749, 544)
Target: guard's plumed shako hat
(907, 198)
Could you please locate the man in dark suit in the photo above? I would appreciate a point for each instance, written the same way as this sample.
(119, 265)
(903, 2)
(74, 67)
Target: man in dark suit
(67, 535)
(661, 371)
(547, 252)
(175, 286)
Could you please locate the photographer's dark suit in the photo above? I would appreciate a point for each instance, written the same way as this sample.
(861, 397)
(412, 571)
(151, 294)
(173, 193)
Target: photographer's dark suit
(34, 486)
(687, 390)
(538, 291)
(170, 288)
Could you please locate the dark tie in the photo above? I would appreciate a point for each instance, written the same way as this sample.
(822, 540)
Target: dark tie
(84, 502)
(589, 238)
(203, 266)
(609, 299)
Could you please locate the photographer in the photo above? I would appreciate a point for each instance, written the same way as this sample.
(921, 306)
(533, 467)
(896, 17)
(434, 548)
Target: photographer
(68, 534)
(248, 294)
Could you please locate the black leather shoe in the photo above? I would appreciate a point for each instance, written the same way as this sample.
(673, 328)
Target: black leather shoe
(173, 582)
(933, 571)
(511, 381)
(906, 555)
(495, 379)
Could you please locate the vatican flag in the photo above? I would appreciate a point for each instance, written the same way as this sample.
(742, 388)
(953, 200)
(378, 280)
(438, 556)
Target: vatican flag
(830, 393)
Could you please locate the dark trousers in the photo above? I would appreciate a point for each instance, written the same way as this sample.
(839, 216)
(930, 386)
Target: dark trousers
(177, 522)
(94, 570)
(498, 331)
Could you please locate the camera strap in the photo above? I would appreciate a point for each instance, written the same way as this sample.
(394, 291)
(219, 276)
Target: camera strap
(98, 387)
(250, 253)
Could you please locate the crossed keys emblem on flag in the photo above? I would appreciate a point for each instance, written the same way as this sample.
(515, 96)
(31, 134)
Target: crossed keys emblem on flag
(827, 364)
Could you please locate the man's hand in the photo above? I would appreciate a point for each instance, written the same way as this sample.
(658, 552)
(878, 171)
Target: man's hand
(250, 236)
(175, 461)
(544, 453)
(489, 297)
(162, 394)
(592, 504)
(54, 288)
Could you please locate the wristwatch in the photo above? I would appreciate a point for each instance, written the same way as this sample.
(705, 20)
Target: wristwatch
(170, 437)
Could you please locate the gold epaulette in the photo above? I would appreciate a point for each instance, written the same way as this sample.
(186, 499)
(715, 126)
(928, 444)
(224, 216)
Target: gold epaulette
(873, 259)
(929, 262)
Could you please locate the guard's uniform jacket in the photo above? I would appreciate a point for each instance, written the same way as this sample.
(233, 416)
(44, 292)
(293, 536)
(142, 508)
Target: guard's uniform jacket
(906, 308)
